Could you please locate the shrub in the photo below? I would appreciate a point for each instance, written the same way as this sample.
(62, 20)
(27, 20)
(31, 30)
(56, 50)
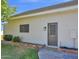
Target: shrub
(8, 37)
(16, 39)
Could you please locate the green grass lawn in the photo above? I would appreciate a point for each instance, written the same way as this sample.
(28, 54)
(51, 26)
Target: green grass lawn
(15, 52)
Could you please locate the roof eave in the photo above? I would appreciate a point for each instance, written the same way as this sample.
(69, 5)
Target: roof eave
(48, 12)
(61, 5)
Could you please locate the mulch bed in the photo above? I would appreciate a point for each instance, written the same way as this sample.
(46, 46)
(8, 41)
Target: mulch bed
(23, 45)
(70, 51)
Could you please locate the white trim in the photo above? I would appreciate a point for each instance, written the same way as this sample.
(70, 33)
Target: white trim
(49, 11)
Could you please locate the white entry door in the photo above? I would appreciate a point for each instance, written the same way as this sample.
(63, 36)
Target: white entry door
(52, 34)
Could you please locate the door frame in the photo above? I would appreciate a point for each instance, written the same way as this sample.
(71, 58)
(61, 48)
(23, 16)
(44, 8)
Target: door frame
(48, 35)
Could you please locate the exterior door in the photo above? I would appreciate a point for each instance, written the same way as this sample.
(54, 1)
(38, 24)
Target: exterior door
(52, 34)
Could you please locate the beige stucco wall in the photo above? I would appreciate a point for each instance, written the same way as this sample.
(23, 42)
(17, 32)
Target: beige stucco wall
(67, 28)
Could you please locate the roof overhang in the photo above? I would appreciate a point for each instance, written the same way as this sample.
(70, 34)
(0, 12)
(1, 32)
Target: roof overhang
(47, 12)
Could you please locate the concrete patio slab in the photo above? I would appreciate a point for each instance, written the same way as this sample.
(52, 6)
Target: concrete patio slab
(46, 53)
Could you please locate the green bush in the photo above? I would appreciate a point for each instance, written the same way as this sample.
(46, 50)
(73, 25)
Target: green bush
(8, 37)
(16, 39)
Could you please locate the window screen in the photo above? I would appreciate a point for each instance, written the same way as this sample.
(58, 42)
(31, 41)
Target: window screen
(24, 28)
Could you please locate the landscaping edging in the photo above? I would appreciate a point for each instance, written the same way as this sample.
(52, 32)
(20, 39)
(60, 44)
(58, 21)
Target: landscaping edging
(68, 50)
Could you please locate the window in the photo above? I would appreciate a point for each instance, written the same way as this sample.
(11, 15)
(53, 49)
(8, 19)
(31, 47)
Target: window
(24, 28)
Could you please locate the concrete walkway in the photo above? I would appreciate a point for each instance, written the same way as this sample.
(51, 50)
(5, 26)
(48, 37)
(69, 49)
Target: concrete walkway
(46, 53)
